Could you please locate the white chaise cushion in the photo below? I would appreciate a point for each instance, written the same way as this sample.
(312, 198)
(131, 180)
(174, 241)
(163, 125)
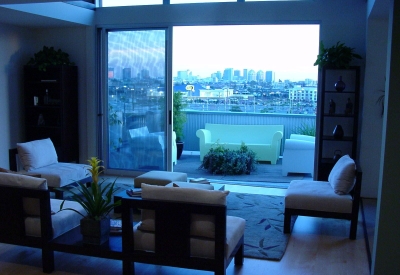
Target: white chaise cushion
(62, 173)
(61, 221)
(316, 195)
(37, 153)
(343, 175)
(202, 225)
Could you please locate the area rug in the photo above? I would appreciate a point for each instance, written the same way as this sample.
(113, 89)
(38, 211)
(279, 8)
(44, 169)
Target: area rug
(263, 236)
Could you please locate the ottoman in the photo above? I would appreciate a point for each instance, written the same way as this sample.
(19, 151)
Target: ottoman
(192, 185)
(159, 178)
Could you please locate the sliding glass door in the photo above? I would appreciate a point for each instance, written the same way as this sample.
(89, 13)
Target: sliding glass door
(135, 128)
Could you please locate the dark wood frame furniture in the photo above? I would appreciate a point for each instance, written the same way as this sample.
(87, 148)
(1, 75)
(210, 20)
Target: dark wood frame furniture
(172, 236)
(12, 158)
(12, 226)
(353, 216)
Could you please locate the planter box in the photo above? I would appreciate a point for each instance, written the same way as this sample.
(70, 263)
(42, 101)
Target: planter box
(95, 232)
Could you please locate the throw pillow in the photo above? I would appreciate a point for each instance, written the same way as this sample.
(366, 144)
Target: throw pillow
(202, 225)
(343, 175)
(37, 153)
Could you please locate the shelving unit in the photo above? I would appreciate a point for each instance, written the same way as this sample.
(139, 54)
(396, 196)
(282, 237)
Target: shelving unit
(51, 108)
(326, 143)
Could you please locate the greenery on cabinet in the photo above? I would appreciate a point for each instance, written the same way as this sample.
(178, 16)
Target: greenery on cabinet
(179, 117)
(221, 160)
(48, 56)
(97, 198)
(337, 56)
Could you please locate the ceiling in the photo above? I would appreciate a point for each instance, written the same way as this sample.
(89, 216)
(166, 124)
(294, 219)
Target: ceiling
(43, 13)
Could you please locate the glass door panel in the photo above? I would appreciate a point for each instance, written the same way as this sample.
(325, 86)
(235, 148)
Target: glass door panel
(136, 100)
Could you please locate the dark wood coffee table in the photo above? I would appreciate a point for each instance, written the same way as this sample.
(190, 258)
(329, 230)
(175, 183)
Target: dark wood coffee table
(71, 242)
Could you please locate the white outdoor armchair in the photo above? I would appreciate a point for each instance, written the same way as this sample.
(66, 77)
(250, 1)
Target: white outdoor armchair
(298, 155)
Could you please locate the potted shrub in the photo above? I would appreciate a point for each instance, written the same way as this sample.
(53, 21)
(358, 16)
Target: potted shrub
(97, 200)
(337, 56)
(179, 119)
(49, 57)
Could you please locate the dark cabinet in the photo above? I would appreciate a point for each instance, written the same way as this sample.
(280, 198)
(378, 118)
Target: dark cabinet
(337, 118)
(51, 108)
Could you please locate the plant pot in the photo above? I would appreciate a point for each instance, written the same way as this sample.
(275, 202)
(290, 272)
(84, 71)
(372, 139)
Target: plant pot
(95, 232)
(179, 149)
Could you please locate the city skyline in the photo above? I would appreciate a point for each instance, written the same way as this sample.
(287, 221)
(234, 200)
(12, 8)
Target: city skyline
(288, 50)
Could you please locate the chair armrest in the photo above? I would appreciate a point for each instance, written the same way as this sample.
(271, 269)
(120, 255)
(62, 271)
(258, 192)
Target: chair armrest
(204, 135)
(276, 137)
(294, 144)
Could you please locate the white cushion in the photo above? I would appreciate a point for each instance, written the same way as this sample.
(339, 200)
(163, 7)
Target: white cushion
(202, 225)
(199, 247)
(139, 132)
(37, 153)
(343, 175)
(316, 195)
(62, 173)
(61, 221)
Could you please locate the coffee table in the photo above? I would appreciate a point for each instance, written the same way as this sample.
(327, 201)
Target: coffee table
(71, 242)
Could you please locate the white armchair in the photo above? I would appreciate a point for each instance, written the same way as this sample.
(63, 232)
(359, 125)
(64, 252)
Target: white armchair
(298, 155)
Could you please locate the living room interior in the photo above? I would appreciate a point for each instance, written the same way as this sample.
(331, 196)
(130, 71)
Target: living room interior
(371, 27)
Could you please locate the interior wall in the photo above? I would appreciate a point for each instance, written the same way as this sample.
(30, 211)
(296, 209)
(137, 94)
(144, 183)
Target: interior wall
(72, 41)
(15, 45)
(372, 118)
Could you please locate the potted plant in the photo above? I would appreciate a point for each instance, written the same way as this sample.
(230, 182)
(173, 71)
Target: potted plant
(179, 119)
(49, 57)
(337, 56)
(97, 200)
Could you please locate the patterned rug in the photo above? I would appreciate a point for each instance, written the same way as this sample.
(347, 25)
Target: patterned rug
(263, 236)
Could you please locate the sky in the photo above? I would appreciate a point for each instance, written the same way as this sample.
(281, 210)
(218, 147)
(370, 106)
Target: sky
(288, 50)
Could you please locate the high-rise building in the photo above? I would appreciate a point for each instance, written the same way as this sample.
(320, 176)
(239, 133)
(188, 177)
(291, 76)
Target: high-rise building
(260, 75)
(251, 76)
(110, 72)
(219, 75)
(185, 75)
(269, 76)
(145, 74)
(228, 74)
(245, 74)
(127, 73)
(236, 73)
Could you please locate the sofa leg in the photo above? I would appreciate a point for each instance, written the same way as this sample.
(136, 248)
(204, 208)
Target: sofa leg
(239, 256)
(353, 229)
(286, 223)
(47, 260)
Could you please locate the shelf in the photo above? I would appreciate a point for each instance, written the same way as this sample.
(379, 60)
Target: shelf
(334, 139)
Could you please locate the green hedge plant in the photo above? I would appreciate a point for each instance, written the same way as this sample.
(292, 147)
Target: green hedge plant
(223, 161)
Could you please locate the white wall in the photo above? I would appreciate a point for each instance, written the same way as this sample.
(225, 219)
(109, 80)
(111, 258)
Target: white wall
(371, 118)
(15, 42)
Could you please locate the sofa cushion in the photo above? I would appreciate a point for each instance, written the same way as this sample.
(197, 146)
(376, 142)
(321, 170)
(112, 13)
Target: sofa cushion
(37, 153)
(199, 247)
(31, 205)
(202, 225)
(343, 175)
(62, 221)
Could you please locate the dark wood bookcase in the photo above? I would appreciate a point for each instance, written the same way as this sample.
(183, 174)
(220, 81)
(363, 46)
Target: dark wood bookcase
(336, 108)
(51, 108)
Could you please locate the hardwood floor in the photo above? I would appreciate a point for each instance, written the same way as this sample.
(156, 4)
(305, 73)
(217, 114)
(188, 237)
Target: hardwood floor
(316, 246)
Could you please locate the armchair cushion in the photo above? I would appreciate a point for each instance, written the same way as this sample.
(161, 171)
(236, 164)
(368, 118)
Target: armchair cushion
(342, 175)
(202, 225)
(37, 153)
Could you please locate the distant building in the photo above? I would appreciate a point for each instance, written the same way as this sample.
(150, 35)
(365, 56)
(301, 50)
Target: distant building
(251, 76)
(260, 75)
(185, 75)
(127, 73)
(228, 74)
(145, 74)
(245, 74)
(110, 72)
(269, 76)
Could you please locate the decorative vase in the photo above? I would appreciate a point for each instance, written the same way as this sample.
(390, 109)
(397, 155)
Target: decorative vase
(95, 232)
(340, 85)
(338, 132)
(179, 149)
